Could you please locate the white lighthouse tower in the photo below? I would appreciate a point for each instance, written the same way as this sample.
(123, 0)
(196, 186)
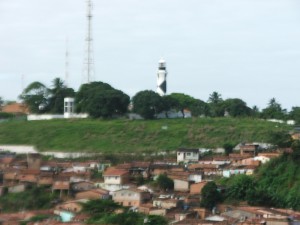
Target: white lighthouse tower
(161, 78)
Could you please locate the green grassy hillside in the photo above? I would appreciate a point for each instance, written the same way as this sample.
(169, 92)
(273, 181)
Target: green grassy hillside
(135, 136)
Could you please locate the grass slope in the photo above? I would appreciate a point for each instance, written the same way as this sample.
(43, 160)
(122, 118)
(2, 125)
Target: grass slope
(135, 136)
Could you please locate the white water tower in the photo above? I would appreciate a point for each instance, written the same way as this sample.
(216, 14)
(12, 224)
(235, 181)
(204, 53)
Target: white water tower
(69, 107)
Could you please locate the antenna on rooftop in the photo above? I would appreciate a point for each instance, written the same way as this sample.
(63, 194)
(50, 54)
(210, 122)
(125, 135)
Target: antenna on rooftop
(89, 71)
(67, 62)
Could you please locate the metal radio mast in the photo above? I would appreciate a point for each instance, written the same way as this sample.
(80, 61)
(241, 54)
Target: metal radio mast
(67, 63)
(89, 70)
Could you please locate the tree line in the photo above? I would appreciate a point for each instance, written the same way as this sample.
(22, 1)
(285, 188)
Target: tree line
(101, 100)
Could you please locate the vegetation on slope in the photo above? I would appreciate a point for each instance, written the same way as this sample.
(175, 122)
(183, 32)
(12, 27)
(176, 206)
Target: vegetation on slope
(275, 184)
(109, 136)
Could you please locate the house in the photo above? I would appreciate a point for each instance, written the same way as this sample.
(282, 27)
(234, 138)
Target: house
(187, 155)
(136, 168)
(93, 194)
(250, 149)
(45, 179)
(131, 197)
(10, 176)
(15, 108)
(34, 161)
(168, 203)
(71, 206)
(197, 187)
(182, 184)
(148, 209)
(114, 179)
(17, 188)
(61, 186)
(207, 169)
(82, 186)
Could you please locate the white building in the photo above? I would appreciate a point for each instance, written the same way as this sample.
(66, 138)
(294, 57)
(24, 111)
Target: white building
(187, 155)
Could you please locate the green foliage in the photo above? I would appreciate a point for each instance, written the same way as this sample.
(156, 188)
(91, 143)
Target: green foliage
(215, 104)
(34, 198)
(240, 186)
(164, 182)
(98, 208)
(125, 136)
(210, 195)
(35, 96)
(296, 150)
(276, 184)
(273, 111)
(103, 212)
(147, 104)
(182, 101)
(280, 138)
(228, 147)
(156, 220)
(57, 94)
(236, 107)
(295, 114)
(101, 100)
(4, 115)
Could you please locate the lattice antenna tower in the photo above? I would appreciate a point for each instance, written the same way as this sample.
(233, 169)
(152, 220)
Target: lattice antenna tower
(67, 63)
(89, 70)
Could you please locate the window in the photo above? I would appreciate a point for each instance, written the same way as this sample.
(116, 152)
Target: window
(188, 154)
(116, 178)
(178, 153)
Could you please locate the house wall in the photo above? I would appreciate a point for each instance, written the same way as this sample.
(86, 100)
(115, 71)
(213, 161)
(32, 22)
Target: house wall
(187, 156)
(92, 195)
(195, 177)
(130, 198)
(197, 188)
(82, 186)
(17, 188)
(181, 185)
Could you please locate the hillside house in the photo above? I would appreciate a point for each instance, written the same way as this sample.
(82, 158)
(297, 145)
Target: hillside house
(114, 179)
(93, 194)
(250, 149)
(82, 186)
(131, 197)
(187, 155)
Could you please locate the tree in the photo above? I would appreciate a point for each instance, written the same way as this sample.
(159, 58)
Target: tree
(295, 114)
(273, 111)
(296, 150)
(228, 147)
(35, 95)
(101, 100)
(215, 104)
(156, 220)
(57, 94)
(255, 111)
(240, 187)
(210, 195)
(236, 107)
(164, 182)
(147, 103)
(215, 98)
(199, 108)
(281, 139)
(181, 102)
(1, 103)
(99, 207)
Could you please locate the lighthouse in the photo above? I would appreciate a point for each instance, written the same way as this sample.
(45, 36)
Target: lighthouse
(161, 78)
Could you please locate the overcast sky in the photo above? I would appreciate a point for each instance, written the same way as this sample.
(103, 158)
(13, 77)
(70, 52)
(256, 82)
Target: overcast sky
(249, 49)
